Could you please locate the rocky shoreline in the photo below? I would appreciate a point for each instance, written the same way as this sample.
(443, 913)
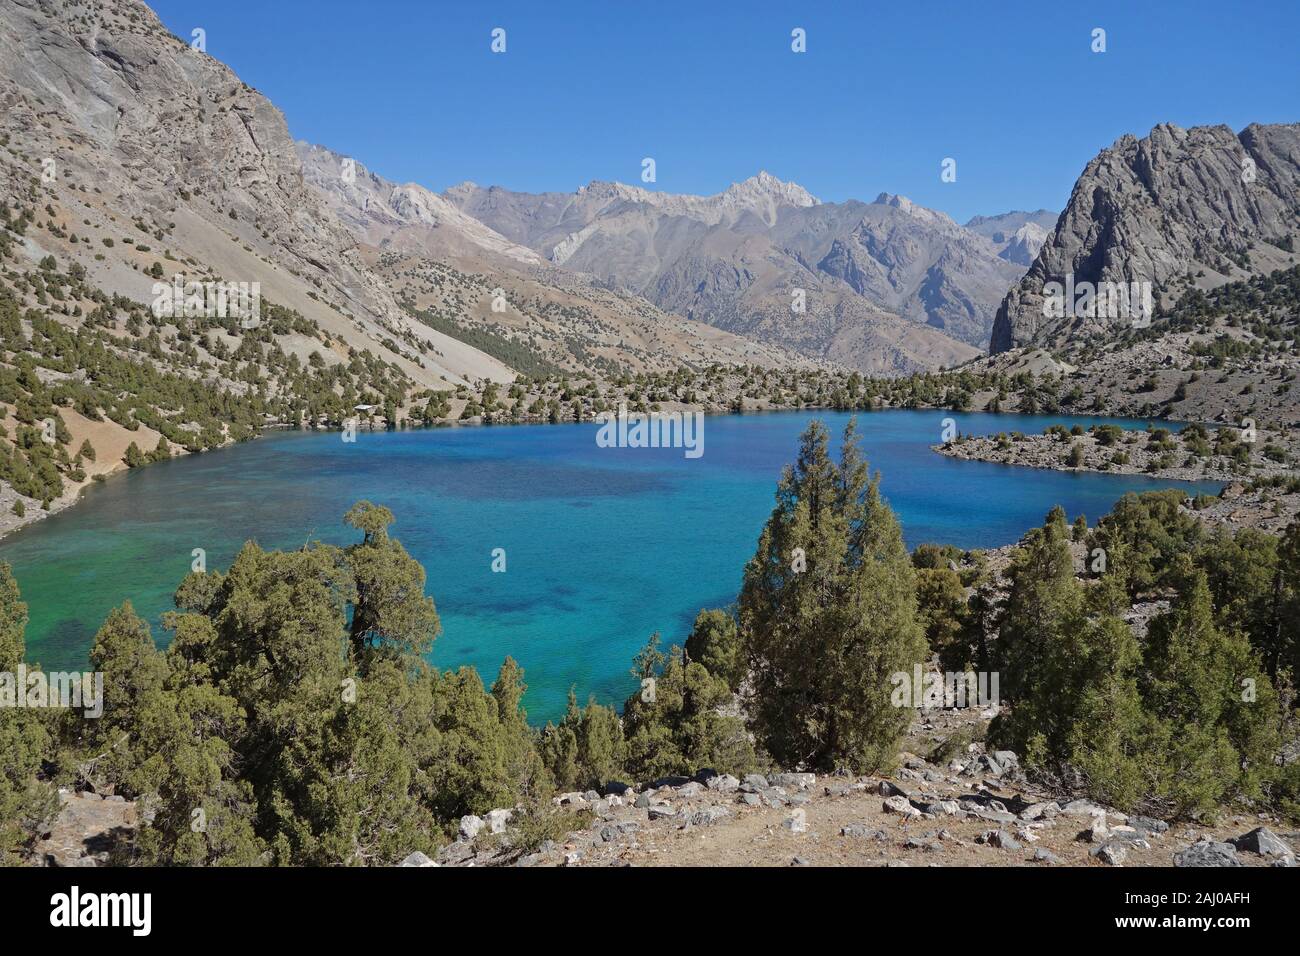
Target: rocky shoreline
(1136, 453)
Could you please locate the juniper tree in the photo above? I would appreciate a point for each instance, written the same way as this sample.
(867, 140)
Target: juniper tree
(1064, 662)
(523, 764)
(714, 642)
(296, 753)
(676, 721)
(1044, 605)
(1109, 738)
(389, 608)
(26, 802)
(828, 613)
(942, 611)
(1150, 529)
(134, 675)
(586, 749)
(1205, 684)
(1254, 581)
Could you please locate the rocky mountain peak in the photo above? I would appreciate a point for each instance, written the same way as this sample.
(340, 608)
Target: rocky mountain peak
(1177, 209)
(905, 205)
(765, 187)
(610, 189)
(376, 209)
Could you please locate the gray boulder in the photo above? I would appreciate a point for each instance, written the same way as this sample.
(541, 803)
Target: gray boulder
(793, 781)
(1265, 842)
(1207, 853)
(1149, 825)
(861, 831)
(708, 816)
(417, 859)
(1111, 853)
(1036, 811)
(724, 783)
(900, 805)
(1081, 808)
(611, 832)
(457, 852)
(991, 815)
(998, 838)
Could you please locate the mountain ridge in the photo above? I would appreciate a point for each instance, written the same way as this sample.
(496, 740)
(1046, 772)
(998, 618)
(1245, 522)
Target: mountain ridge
(737, 258)
(1179, 208)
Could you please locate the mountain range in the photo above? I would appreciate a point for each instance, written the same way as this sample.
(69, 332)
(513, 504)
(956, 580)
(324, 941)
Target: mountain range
(609, 276)
(143, 132)
(739, 259)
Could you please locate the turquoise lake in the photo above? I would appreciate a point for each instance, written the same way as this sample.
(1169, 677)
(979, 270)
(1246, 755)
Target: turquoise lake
(603, 545)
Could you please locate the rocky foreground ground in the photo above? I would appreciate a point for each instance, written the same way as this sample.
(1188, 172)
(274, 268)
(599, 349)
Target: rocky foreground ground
(975, 808)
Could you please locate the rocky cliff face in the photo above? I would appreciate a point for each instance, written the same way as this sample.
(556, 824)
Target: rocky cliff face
(119, 95)
(1180, 208)
(127, 128)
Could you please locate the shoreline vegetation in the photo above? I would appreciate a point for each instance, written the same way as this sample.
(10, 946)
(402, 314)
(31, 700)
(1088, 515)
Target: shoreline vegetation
(294, 692)
(1105, 449)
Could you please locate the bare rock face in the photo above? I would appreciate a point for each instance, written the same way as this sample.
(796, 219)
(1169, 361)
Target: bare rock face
(85, 829)
(408, 216)
(1024, 244)
(920, 264)
(1016, 235)
(132, 133)
(1181, 207)
(148, 116)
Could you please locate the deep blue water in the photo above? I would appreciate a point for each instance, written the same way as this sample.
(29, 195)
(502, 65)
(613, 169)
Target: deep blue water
(603, 546)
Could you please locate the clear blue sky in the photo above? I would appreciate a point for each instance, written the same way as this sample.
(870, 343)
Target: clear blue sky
(712, 91)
